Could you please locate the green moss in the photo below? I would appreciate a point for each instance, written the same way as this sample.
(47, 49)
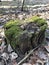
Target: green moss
(13, 44)
(12, 23)
(31, 19)
(39, 21)
(43, 28)
(13, 35)
(13, 32)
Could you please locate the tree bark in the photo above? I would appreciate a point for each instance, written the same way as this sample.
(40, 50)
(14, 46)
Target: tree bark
(0, 0)
(31, 52)
(22, 5)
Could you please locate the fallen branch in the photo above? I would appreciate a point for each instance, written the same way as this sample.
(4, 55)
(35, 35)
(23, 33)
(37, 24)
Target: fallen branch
(27, 55)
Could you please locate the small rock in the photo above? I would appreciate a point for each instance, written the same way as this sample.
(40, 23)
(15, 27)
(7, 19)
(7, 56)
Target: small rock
(1, 63)
(9, 48)
(5, 56)
(13, 55)
(20, 17)
(14, 62)
(47, 48)
(41, 62)
(26, 64)
(0, 41)
(3, 43)
(42, 55)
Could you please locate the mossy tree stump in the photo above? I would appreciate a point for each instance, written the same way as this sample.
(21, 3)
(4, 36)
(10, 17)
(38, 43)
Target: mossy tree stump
(26, 34)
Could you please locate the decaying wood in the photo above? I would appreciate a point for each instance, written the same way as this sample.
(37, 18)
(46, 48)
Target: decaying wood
(27, 55)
